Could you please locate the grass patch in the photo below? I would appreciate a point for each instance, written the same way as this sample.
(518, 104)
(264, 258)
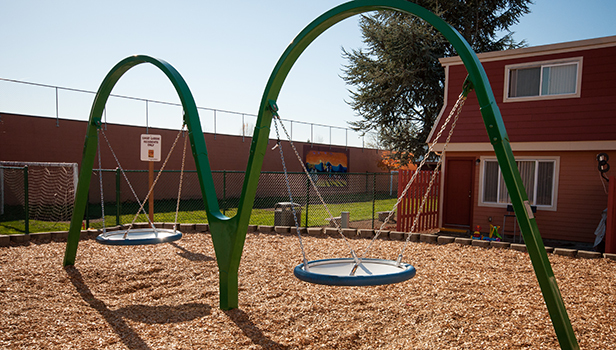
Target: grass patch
(317, 216)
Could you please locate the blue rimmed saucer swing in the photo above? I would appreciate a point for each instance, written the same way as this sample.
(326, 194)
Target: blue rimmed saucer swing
(151, 234)
(354, 270)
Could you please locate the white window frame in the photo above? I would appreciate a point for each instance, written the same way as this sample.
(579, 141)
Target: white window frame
(542, 64)
(552, 207)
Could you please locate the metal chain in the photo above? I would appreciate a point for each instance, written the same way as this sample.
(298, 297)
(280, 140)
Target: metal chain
(436, 170)
(331, 217)
(154, 184)
(125, 178)
(457, 108)
(100, 181)
(286, 179)
(177, 207)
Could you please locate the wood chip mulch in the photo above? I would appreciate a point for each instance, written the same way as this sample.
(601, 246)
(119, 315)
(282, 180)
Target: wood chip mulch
(166, 297)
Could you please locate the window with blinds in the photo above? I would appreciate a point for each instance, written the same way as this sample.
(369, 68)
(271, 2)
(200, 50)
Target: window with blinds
(543, 80)
(538, 177)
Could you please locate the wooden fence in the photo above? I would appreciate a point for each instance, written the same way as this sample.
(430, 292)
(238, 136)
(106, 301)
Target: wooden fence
(410, 204)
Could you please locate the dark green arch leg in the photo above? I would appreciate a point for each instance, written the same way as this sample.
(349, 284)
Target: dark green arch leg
(491, 116)
(228, 243)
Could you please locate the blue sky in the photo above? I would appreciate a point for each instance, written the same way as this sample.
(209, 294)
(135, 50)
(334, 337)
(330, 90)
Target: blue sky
(225, 50)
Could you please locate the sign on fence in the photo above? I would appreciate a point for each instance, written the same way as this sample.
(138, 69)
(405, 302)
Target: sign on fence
(411, 203)
(150, 147)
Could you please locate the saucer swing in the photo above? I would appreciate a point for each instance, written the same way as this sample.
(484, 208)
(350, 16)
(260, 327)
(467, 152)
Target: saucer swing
(140, 236)
(354, 270)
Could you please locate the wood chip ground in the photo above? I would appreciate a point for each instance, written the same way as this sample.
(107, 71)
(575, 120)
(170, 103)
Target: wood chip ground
(166, 297)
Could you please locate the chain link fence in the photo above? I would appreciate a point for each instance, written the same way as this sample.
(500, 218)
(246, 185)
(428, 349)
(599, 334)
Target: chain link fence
(116, 198)
(362, 195)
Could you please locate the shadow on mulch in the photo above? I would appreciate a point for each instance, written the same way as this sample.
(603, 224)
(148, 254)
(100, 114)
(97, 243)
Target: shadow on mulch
(243, 322)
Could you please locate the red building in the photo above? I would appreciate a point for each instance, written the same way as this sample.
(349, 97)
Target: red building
(558, 103)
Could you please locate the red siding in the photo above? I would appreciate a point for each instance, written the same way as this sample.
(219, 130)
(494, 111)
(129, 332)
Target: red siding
(581, 198)
(588, 118)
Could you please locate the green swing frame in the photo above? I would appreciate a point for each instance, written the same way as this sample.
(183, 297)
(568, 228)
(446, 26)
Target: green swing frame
(228, 234)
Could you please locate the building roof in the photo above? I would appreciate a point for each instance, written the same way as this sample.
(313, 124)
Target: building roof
(534, 51)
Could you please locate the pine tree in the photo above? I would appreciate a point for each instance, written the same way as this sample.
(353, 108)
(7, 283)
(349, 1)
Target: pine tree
(397, 81)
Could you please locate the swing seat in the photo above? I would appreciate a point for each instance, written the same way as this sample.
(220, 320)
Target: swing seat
(371, 272)
(141, 236)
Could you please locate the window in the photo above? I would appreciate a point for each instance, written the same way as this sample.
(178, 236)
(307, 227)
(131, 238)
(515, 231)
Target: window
(539, 177)
(555, 79)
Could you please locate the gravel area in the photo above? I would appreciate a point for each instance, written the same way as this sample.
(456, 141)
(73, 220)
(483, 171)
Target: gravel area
(166, 297)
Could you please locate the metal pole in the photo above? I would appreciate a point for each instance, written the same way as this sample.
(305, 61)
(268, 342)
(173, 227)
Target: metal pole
(307, 198)
(243, 128)
(88, 211)
(151, 199)
(57, 114)
(118, 196)
(214, 124)
(224, 192)
(26, 202)
(373, 197)
(147, 122)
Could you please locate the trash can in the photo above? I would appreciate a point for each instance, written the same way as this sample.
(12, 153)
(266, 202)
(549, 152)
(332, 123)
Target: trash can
(283, 214)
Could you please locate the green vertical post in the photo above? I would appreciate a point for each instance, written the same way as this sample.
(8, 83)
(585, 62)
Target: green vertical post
(224, 192)
(307, 199)
(26, 202)
(118, 181)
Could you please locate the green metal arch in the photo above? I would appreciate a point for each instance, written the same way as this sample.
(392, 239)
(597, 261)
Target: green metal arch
(191, 117)
(492, 120)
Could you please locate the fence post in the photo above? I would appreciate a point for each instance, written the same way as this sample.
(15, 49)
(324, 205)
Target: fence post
(118, 195)
(399, 209)
(88, 211)
(307, 198)
(224, 190)
(373, 197)
(26, 202)
(366, 190)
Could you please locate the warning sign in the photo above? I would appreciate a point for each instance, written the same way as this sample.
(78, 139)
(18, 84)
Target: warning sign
(150, 147)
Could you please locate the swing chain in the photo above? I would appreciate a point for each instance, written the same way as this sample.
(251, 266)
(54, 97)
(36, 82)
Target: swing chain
(142, 204)
(100, 181)
(177, 137)
(102, 132)
(274, 109)
(177, 207)
(456, 109)
(286, 178)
